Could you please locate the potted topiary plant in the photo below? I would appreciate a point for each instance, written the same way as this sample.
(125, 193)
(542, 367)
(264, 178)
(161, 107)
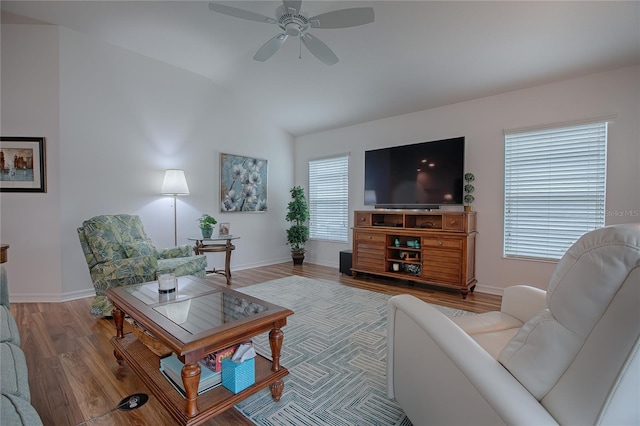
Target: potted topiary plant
(206, 225)
(297, 214)
(468, 190)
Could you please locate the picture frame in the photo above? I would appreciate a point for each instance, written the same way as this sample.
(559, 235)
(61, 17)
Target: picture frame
(22, 164)
(243, 184)
(225, 229)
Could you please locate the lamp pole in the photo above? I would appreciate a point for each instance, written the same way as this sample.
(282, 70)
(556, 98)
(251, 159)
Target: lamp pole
(175, 183)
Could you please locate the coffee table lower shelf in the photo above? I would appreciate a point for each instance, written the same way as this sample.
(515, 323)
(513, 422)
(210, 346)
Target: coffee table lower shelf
(146, 365)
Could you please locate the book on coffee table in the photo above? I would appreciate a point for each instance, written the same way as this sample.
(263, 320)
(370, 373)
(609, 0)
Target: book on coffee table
(171, 368)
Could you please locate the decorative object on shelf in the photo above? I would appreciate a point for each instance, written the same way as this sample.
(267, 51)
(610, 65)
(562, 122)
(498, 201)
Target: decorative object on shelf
(243, 184)
(225, 229)
(396, 267)
(397, 242)
(206, 225)
(412, 269)
(468, 190)
(297, 214)
(22, 165)
(416, 243)
(174, 183)
(411, 243)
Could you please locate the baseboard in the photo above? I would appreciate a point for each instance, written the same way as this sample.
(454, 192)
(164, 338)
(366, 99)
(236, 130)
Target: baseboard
(51, 297)
(488, 289)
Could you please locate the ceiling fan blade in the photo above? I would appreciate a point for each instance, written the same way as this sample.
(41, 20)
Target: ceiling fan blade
(343, 18)
(319, 49)
(240, 13)
(295, 5)
(270, 48)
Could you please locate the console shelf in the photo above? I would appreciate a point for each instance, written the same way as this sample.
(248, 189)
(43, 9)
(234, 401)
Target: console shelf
(428, 247)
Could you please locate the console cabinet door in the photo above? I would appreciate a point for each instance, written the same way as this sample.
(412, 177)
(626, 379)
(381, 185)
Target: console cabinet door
(442, 260)
(369, 251)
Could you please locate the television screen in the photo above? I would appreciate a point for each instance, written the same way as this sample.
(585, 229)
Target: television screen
(421, 175)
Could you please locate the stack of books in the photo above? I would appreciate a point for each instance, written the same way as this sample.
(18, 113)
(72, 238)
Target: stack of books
(171, 368)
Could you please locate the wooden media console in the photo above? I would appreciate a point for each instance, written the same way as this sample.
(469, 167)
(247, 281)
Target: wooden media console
(433, 247)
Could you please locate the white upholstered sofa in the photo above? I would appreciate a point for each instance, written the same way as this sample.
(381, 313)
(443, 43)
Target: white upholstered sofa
(569, 355)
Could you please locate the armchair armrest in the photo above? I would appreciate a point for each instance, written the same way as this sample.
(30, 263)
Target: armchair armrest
(126, 271)
(173, 252)
(523, 301)
(440, 375)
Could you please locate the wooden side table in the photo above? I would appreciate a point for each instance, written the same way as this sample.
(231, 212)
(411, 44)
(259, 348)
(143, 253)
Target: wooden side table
(3, 252)
(215, 245)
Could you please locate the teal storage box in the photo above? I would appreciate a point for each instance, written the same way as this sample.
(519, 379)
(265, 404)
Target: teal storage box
(237, 376)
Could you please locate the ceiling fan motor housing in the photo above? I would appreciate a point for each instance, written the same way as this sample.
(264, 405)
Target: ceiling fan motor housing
(293, 25)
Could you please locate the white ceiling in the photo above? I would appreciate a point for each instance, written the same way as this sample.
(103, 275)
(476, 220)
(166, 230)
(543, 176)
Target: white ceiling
(416, 55)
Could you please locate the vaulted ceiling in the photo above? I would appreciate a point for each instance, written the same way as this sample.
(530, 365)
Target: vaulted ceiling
(416, 55)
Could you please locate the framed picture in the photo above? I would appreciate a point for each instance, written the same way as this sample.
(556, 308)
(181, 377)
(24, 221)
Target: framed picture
(225, 228)
(22, 165)
(243, 184)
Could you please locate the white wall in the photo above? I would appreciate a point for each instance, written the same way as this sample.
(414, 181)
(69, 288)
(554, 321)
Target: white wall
(482, 122)
(30, 222)
(123, 120)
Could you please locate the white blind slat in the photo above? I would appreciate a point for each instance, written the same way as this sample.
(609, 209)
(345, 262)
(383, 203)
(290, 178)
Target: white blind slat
(329, 199)
(554, 190)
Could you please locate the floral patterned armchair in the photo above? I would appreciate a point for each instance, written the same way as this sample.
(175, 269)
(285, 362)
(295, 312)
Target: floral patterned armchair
(118, 252)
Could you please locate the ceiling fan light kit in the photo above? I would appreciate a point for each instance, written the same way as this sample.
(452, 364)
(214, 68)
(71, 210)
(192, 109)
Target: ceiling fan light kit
(294, 23)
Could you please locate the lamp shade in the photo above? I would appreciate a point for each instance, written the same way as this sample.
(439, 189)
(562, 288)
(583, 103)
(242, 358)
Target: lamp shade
(175, 183)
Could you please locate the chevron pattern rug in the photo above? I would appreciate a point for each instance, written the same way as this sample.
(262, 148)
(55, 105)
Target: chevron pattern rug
(335, 350)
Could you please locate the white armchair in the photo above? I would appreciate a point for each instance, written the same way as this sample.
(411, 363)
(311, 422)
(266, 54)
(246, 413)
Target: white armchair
(570, 355)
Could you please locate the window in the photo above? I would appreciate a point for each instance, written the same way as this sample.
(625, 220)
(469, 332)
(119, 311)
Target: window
(329, 199)
(554, 188)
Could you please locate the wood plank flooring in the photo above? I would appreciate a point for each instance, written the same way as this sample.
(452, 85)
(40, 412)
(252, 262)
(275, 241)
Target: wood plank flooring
(73, 374)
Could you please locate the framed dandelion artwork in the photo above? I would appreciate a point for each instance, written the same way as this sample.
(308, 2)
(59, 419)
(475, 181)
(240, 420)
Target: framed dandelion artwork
(243, 184)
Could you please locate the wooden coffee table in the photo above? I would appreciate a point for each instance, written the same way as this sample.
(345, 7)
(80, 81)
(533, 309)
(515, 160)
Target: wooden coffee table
(199, 319)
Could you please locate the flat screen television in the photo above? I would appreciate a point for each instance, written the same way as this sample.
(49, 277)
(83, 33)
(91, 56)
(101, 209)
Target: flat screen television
(423, 175)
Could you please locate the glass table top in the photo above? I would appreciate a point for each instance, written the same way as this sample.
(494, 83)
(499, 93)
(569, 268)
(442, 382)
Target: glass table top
(195, 306)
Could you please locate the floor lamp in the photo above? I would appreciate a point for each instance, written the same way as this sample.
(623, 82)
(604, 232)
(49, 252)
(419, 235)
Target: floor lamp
(175, 184)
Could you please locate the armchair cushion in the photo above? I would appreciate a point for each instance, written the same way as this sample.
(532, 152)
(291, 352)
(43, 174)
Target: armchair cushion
(139, 248)
(588, 277)
(173, 252)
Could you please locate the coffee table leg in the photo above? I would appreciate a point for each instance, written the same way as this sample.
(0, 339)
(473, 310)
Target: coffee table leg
(276, 390)
(276, 336)
(118, 319)
(275, 341)
(191, 379)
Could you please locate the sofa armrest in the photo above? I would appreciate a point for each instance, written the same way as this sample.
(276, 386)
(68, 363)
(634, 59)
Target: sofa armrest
(440, 375)
(523, 301)
(184, 250)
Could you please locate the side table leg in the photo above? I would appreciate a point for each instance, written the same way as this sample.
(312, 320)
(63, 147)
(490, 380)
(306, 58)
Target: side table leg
(118, 319)
(191, 379)
(227, 261)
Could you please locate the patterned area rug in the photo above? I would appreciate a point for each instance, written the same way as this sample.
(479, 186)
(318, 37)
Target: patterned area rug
(335, 350)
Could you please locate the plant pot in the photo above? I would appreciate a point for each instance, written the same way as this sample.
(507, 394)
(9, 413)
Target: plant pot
(206, 232)
(298, 257)
(468, 208)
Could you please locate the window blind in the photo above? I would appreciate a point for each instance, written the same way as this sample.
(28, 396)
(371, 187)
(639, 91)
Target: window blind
(554, 188)
(329, 198)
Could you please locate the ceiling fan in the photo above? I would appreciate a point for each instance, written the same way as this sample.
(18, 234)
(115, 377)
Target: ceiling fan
(294, 23)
